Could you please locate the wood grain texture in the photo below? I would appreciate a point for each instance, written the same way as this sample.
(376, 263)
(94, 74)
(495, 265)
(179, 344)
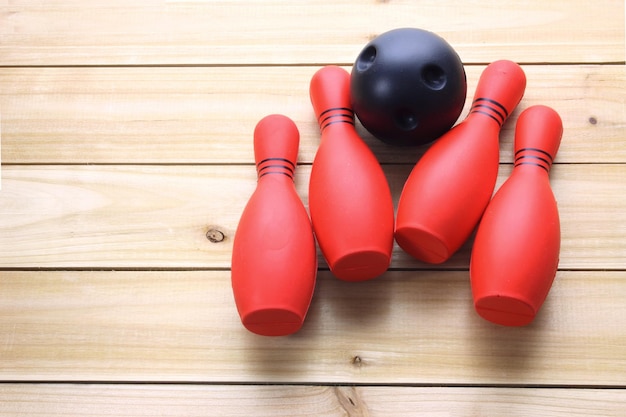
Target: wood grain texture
(158, 216)
(418, 328)
(74, 32)
(126, 161)
(303, 401)
(207, 115)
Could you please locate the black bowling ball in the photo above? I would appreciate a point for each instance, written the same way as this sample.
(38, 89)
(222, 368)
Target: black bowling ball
(408, 86)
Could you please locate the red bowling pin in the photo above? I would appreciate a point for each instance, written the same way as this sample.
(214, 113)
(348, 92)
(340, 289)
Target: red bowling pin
(516, 250)
(450, 186)
(349, 198)
(274, 263)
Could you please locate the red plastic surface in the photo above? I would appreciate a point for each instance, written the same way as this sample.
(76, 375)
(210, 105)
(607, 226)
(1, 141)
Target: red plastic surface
(450, 186)
(349, 198)
(274, 262)
(516, 250)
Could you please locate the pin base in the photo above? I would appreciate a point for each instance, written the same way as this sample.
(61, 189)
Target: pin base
(273, 321)
(505, 310)
(422, 244)
(361, 266)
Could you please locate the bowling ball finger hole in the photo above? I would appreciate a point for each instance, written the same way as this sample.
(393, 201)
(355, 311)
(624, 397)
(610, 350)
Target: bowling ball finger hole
(366, 59)
(406, 120)
(434, 77)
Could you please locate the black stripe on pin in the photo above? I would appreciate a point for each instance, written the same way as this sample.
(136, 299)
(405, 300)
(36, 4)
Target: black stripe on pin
(350, 122)
(493, 106)
(535, 150)
(285, 168)
(293, 166)
(346, 109)
(526, 159)
(506, 112)
(488, 115)
(519, 162)
(341, 115)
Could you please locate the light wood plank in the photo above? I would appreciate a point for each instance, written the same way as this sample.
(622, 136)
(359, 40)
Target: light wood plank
(163, 97)
(405, 328)
(303, 401)
(74, 32)
(158, 216)
(207, 115)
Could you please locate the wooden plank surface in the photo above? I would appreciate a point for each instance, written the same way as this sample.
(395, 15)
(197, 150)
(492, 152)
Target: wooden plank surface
(207, 115)
(418, 328)
(304, 401)
(158, 216)
(74, 32)
(126, 160)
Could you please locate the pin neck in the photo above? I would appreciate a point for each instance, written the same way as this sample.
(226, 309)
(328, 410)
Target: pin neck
(281, 166)
(533, 156)
(490, 108)
(335, 115)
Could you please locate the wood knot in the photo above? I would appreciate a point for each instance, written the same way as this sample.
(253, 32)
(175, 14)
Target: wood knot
(350, 401)
(215, 235)
(357, 361)
(593, 120)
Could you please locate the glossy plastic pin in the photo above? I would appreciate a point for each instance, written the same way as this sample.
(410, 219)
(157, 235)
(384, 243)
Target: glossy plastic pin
(274, 261)
(448, 189)
(349, 198)
(516, 251)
